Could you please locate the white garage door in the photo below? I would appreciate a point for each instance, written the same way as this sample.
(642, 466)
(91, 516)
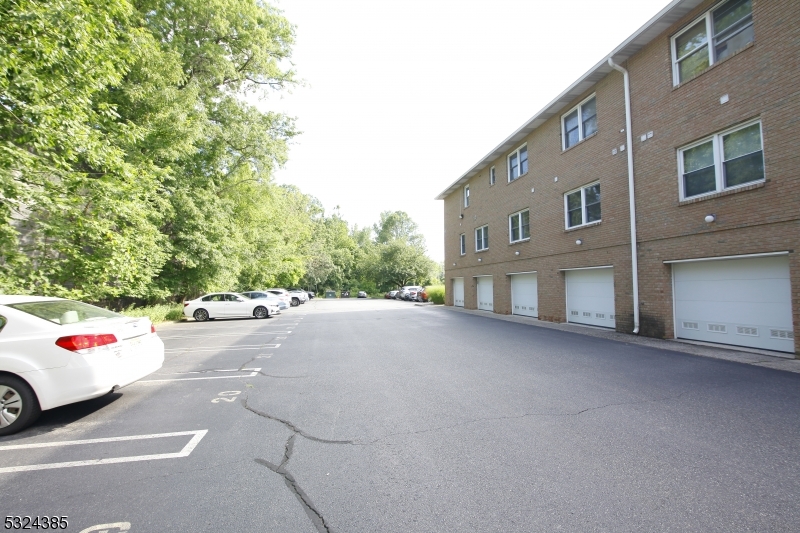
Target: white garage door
(745, 302)
(485, 293)
(590, 297)
(524, 295)
(458, 292)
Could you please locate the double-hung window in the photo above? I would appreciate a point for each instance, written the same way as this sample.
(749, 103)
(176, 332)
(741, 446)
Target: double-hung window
(491, 176)
(482, 238)
(582, 206)
(518, 163)
(519, 226)
(717, 34)
(579, 122)
(466, 196)
(463, 240)
(724, 161)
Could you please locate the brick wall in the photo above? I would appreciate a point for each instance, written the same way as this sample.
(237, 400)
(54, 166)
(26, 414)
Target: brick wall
(551, 173)
(761, 81)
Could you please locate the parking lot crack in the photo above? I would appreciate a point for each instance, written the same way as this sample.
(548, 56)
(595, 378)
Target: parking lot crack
(292, 427)
(523, 415)
(279, 377)
(308, 506)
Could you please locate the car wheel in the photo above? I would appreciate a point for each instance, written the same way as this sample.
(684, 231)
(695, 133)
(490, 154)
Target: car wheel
(295, 302)
(260, 312)
(19, 406)
(201, 315)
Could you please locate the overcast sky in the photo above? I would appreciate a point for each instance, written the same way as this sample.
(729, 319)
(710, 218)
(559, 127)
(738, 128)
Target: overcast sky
(402, 98)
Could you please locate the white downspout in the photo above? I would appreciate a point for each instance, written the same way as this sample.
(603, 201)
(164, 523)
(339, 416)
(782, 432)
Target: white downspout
(631, 197)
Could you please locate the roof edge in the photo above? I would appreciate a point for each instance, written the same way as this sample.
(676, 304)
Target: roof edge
(672, 12)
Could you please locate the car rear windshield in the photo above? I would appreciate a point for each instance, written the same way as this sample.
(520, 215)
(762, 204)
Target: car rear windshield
(64, 311)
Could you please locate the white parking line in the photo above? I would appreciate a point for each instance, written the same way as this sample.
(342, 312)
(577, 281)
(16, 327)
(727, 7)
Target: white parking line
(227, 346)
(190, 446)
(253, 372)
(165, 337)
(218, 348)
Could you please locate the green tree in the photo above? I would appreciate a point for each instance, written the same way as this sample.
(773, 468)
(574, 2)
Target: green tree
(130, 166)
(397, 225)
(79, 217)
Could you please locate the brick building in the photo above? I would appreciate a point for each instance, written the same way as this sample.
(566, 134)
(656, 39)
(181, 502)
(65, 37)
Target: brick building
(702, 171)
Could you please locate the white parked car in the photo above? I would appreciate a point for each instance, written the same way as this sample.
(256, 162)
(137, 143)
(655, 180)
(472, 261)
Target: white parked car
(228, 305)
(300, 294)
(283, 294)
(405, 290)
(273, 298)
(54, 352)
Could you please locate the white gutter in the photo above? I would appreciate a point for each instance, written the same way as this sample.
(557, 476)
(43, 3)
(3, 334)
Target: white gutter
(631, 197)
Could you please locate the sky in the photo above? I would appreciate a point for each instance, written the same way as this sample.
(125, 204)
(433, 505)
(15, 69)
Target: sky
(400, 99)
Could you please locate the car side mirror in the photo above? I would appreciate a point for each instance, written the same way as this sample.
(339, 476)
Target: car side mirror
(239, 300)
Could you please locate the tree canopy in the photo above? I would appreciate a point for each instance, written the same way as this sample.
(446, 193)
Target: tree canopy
(133, 168)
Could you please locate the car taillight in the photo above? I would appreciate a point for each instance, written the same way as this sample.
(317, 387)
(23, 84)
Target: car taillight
(74, 343)
(152, 328)
(185, 304)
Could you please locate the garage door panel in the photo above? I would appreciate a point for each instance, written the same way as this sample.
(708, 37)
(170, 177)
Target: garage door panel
(458, 292)
(525, 295)
(734, 269)
(592, 290)
(777, 314)
(742, 302)
(590, 297)
(601, 304)
(765, 291)
(485, 293)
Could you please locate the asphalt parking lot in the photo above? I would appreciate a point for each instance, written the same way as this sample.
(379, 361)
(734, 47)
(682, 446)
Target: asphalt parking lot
(374, 415)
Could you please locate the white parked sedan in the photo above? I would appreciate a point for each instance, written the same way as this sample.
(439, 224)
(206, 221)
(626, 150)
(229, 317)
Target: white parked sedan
(284, 296)
(54, 352)
(272, 298)
(300, 294)
(228, 305)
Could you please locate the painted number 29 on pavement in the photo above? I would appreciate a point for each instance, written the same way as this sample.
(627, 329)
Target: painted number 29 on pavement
(227, 396)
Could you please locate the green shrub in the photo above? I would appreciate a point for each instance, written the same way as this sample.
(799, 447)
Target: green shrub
(435, 293)
(156, 313)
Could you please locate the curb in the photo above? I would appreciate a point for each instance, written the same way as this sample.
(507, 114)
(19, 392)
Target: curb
(762, 358)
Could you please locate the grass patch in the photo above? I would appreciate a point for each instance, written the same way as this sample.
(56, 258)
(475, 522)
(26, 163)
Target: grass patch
(156, 313)
(435, 294)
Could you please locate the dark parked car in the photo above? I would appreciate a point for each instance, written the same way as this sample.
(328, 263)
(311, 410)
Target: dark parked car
(345, 294)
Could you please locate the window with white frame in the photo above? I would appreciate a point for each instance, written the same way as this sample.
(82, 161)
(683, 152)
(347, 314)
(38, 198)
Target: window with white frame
(726, 160)
(482, 238)
(463, 244)
(519, 226)
(582, 206)
(491, 176)
(518, 163)
(711, 38)
(579, 122)
(466, 196)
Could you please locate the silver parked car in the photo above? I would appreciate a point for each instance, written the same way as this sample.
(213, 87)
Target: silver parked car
(271, 298)
(284, 296)
(300, 294)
